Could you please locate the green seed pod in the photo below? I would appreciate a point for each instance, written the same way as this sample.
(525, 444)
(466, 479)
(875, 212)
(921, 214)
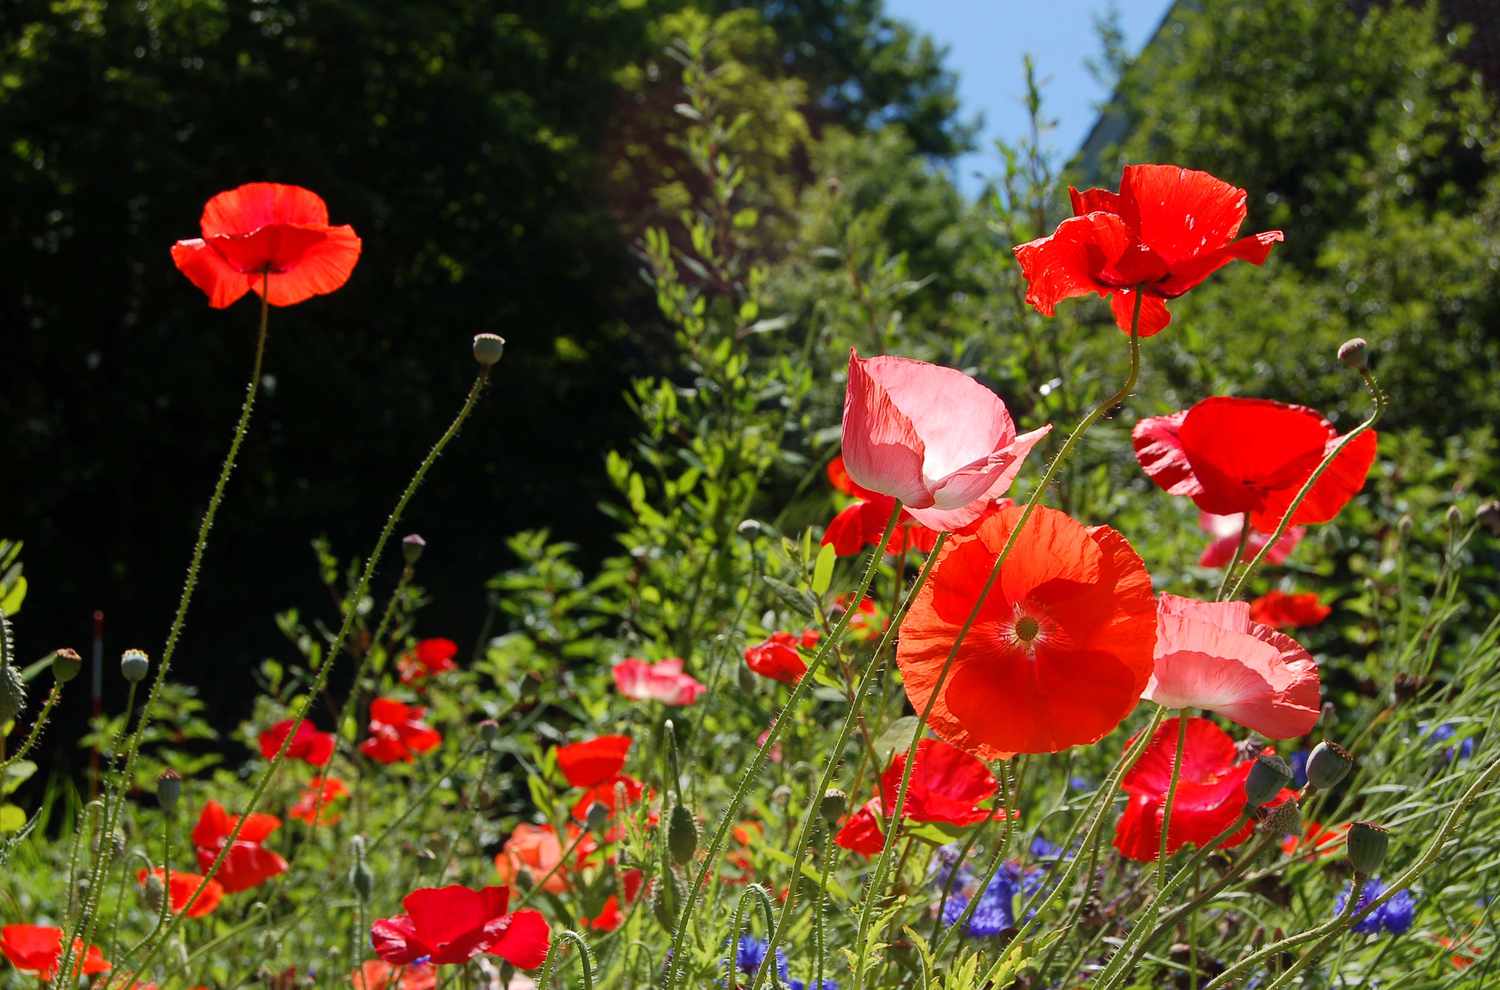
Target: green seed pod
(488, 347)
(1328, 764)
(682, 835)
(833, 806)
(168, 790)
(666, 897)
(134, 664)
(362, 880)
(1267, 777)
(66, 665)
(1367, 845)
(489, 730)
(412, 546)
(1284, 819)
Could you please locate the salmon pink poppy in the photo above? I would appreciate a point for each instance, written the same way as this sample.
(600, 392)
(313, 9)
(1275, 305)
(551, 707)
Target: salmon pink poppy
(313, 806)
(451, 925)
(1226, 532)
(308, 744)
(777, 658)
(249, 864)
(930, 436)
(182, 887)
(863, 523)
(662, 681)
(397, 732)
(537, 850)
(428, 658)
(270, 239)
(947, 785)
(1234, 455)
(1210, 792)
(861, 832)
(1060, 650)
(594, 761)
(38, 949)
(1163, 233)
(377, 974)
(1215, 656)
(1280, 610)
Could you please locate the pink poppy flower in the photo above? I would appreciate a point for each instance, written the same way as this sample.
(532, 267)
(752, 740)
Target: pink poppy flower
(662, 681)
(1226, 530)
(931, 436)
(1210, 655)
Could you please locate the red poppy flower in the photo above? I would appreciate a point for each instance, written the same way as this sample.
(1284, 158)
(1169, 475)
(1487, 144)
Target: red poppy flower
(1316, 842)
(1060, 651)
(1252, 455)
(861, 832)
(862, 524)
(1280, 610)
(265, 234)
(946, 785)
(608, 793)
(1226, 531)
(586, 764)
(777, 658)
(184, 886)
(38, 949)
(397, 732)
(866, 622)
(377, 974)
(248, 863)
(429, 658)
(451, 925)
(662, 681)
(1164, 232)
(309, 745)
(1210, 792)
(312, 806)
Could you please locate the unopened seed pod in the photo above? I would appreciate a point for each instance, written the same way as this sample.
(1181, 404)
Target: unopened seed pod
(168, 790)
(412, 546)
(153, 893)
(66, 664)
(682, 835)
(134, 664)
(1268, 775)
(833, 805)
(1352, 353)
(1328, 764)
(362, 880)
(1284, 819)
(1367, 845)
(488, 348)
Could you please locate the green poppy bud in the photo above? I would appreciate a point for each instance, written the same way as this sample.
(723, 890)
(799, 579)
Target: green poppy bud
(489, 729)
(1328, 764)
(168, 790)
(362, 880)
(488, 347)
(134, 664)
(66, 664)
(154, 893)
(833, 806)
(412, 546)
(1268, 776)
(682, 835)
(1352, 353)
(1367, 845)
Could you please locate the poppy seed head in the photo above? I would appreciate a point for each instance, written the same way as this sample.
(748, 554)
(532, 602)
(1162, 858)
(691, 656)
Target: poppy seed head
(1352, 353)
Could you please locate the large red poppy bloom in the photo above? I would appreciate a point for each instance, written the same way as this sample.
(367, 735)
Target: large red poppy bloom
(271, 238)
(397, 732)
(538, 850)
(183, 886)
(1210, 792)
(248, 864)
(593, 761)
(947, 785)
(38, 949)
(1280, 610)
(777, 658)
(429, 658)
(1252, 455)
(862, 524)
(1165, 231)
(308, 745)
(451, 925)
(1060, 651)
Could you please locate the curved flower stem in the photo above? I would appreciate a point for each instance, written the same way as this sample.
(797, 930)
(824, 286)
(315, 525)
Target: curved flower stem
(1166, 810)
(1203, 897)
(1377, 394)
(53, 697)
(1233, 973)
(347, 713)
(1234, 561)
(732, 945)
(882, 867)
(585, 960)
(758, 762)
(836, 753)
(320, 678)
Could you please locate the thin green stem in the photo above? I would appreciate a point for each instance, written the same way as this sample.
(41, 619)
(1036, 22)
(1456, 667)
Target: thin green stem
(1166, 810)
(53, 697)
(1234, 561)
(585, 960)
(351, 703)
(1233, 973)
(996, 858)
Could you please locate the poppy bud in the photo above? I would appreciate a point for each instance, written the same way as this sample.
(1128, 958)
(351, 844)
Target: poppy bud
(1352, 353)
(1455, 516)
(833, 806)
(781, 796)
(1367, 846)
(12, 692)
(362, 880)
(1268, 775)
(682, 835)
(488, 347)
(412, 546)
(153, 893)
(1284, 819)
(524, 880)
(66, 664)
(489, 729)
(134, 664)
(598, 816)
(168, 790)
(1328, 764)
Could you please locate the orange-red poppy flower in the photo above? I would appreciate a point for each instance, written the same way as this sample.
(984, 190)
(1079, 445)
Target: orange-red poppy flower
(863, 523)
(451, 925)
(248, 864)
(1060, 651)
(1226, 532)
(777, 658)
(947, 785)
(265, 237)
(38, 949)
(593, 761)
(1252, 455)
(182, 888)
(308, 745)
(1164, 232)
(1280, 610)
(397, 732)
(609, 793)
(377, 974)
(428, 658)
(313, 805)
(537, 850)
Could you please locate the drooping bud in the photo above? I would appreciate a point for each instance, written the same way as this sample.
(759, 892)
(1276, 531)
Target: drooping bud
(682, 835)
(362, 880)
(1284, 819)
(833, 805)
(168, 790)
(1328, 764)
(1455, 517)
(781, 795)
(66, 664)
(412, 546)
(134, 664)
(153, 893)
(488, 347)
(1367, 845)
(1352, 353)
(1267, 777)
(1404, 524)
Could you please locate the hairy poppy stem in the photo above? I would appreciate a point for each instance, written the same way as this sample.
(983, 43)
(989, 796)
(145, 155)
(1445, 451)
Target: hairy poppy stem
(53, 697)
(585, 960)
(1239, 553)
(351, 703)
(1166, 810)
(758, 762)
(732, 946)
(320, 677)
(882, 866)
(1012, 799)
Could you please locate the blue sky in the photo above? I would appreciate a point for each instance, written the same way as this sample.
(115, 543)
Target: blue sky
(986, 41)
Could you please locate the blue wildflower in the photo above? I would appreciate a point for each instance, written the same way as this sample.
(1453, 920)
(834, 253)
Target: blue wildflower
(751, 952)
(1042, 849)
(1394, 916)
(1080, 784)
(799, 985)
(1299, 768)
(1447, 731)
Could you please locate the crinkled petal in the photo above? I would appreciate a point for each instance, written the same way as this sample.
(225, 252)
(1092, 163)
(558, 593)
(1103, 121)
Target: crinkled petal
(1012, 458)
(881, 448)
(1180, 213)
(1255, 249)
(523, 942)
(1158, 446)
(1067, 262)
(322, 268)
(208, 270)
(1340, 482)
(260, 204)
(1154, 316)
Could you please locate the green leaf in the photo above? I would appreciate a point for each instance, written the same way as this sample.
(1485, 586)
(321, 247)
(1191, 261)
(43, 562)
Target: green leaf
(823, 570)
(896, 736)
(12, 819)
(14, 596)
(15, 775)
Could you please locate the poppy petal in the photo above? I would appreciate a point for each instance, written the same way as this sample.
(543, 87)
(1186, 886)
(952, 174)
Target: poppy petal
(323, 267)
(881, 448)
(524, 941)
(1013, 457)
(1342, 480)
(1180, 213)
(207, 269)
(1255, 249)
(261, 204)
(1158, 447)
(1154, 316)
(1094, 201)
(1067, 262)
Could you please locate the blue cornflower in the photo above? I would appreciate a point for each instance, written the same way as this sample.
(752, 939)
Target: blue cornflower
(751, 952)
(1299, 768)
(1042, 849)
(1080, 784)
(1394, 916)
(1442, 734)
(799, 985)
(995, 911)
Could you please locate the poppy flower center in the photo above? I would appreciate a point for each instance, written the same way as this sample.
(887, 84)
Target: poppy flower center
(1027, 629)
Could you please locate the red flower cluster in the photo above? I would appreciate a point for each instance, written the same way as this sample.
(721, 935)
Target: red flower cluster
(597, 765)
(428, 658)
(397, 732)
(248, 864)
(308, 745)
(38, 949)
(313, 805)
(451, 925)
(947, 787)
